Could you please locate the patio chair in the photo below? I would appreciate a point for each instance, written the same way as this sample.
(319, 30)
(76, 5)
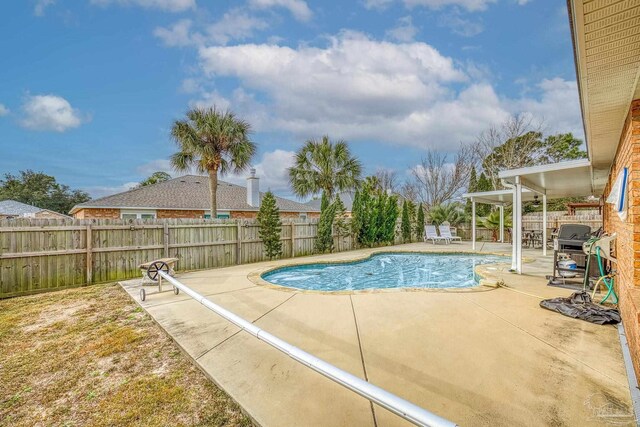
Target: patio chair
(445, 231)
(430, 233)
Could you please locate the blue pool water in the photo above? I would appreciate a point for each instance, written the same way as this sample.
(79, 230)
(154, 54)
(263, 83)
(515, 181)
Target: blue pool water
(385, 271)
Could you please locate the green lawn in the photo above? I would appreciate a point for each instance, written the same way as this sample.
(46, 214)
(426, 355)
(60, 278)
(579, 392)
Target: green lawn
(92, 357)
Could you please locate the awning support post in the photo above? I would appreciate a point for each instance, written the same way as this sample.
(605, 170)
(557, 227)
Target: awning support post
(501, 223)
(473, 224)
(517, 226)
(544, 225)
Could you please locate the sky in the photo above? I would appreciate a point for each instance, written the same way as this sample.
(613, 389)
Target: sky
(89, 89)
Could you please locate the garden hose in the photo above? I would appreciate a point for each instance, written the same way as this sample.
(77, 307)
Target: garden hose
(607, 279)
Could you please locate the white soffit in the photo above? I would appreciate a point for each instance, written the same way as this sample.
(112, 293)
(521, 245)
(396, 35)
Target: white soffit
(607, 47)
(563, 179)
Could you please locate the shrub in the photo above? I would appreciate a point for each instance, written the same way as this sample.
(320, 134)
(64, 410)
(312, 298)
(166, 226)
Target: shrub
(270, 226)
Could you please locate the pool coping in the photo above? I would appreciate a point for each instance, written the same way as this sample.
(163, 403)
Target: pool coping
(488, 280)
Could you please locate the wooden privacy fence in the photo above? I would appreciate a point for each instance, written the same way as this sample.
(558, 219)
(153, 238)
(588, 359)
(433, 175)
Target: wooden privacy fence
(41, 255)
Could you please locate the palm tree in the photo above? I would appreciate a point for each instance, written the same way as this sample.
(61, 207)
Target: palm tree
(213, 142)
(452, 213)
(324, 166)
(492, 222)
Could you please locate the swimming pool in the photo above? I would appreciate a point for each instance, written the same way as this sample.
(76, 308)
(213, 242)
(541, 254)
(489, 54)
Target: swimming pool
(386, 271)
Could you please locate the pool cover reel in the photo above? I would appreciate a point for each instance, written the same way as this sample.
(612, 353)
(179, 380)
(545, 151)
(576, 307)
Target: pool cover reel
(580, 306)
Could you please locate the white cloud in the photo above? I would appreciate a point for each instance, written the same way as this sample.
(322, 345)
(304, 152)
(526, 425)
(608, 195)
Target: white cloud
(41, 5)
(3, 110)
(103, 191)
(377, 4)
(272, 171)
(158, 165)
(362, 89)
(49, 112)
(461, 26)
(178, 34)
(470, 5)
(190, 85)
(236, 24)
(166, 5)
(404, 31)
(298, 8)
(557, 106)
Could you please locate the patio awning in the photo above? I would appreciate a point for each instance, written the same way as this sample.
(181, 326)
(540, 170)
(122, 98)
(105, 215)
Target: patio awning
(499, 197)
(564, 179)
(556, 180)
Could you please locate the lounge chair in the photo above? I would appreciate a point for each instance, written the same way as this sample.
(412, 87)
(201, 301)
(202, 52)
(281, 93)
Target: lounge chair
(430, 233)
(445, 231)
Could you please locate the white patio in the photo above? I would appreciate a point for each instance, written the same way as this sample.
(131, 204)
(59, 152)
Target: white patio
(565, 179)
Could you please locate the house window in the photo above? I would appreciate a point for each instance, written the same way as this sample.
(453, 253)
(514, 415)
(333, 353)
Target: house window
(303, 216)
(137, 215)
(219, 216)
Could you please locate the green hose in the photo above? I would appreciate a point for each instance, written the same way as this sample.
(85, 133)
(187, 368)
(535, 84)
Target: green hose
(608, 282)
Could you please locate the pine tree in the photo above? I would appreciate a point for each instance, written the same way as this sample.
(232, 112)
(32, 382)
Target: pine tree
(340, 225)
(420, 223)
(484, 184)
(405, 225)
(411, 207)
(391, 218)
(270, 226)
(324, 240)
(356, 218)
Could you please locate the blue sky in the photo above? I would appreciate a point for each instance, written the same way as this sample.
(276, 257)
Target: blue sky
(90, 88)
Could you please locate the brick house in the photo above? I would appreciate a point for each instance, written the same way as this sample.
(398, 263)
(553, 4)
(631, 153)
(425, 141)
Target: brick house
(188, 197)
(606, 39)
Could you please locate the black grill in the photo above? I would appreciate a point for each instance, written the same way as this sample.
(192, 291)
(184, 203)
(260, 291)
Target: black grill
(572, 236)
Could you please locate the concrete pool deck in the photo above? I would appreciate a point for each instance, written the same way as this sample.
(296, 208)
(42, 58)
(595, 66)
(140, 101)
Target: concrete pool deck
(491, 358)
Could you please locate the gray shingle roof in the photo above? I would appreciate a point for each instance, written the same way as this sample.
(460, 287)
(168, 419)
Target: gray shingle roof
(11, 207)
(187, 192)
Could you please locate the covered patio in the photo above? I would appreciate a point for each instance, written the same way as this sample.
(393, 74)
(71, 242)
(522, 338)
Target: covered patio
(545, 182)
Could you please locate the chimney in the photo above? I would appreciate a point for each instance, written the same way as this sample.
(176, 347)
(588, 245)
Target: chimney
(253, 189)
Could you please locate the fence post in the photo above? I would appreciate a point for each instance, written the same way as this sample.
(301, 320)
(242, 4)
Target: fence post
(238, 242)
(165, 239)
(293, 240)
(89, 255)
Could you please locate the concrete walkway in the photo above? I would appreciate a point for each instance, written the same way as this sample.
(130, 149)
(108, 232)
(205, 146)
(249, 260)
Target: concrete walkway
(486, 358)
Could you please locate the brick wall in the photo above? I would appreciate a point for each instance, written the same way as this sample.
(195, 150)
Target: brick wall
(628, 231)
(91, 213)
(169, 213)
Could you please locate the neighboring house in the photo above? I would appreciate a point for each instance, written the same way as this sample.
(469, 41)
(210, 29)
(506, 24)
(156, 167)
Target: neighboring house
(188, 197)
(14, 209)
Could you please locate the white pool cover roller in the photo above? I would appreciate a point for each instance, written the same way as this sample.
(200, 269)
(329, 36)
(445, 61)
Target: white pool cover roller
(391, 402)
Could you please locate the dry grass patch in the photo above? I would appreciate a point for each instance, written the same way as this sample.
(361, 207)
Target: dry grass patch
(92, 357)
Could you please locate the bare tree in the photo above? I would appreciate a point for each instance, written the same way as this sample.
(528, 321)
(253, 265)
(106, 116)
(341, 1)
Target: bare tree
(439, 181)
(410, 191)
(513, 144)
(387, 179)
